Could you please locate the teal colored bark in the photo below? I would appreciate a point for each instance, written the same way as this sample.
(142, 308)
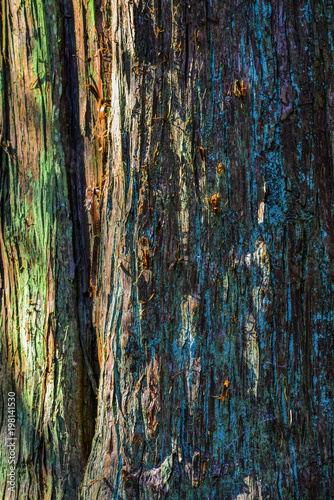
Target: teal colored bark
(215, 373)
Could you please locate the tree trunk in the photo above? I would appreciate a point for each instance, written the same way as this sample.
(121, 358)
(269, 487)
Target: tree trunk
(167, 236)
(48, 339)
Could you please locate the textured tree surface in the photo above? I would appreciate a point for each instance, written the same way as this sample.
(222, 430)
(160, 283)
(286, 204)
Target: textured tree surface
(167, 246)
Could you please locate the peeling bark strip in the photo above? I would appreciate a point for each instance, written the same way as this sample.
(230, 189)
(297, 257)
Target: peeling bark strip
(166, 235)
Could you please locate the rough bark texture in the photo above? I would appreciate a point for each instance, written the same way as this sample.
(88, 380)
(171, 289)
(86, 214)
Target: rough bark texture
(196, 288)
(46, 316)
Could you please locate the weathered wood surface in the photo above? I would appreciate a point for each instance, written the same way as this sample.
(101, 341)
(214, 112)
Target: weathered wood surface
(197, 290)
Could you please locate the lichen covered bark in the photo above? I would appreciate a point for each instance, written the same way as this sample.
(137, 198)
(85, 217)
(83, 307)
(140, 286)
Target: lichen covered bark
(215, 277)
(46, 320)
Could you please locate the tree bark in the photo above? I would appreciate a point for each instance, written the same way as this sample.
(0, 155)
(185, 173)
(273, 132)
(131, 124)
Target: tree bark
(167, 237)
(48, 339)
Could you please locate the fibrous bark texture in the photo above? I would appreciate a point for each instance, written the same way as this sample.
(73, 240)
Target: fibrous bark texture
(167, 247)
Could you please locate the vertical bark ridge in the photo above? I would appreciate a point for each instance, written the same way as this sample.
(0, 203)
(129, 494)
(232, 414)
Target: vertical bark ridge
(48, 339)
